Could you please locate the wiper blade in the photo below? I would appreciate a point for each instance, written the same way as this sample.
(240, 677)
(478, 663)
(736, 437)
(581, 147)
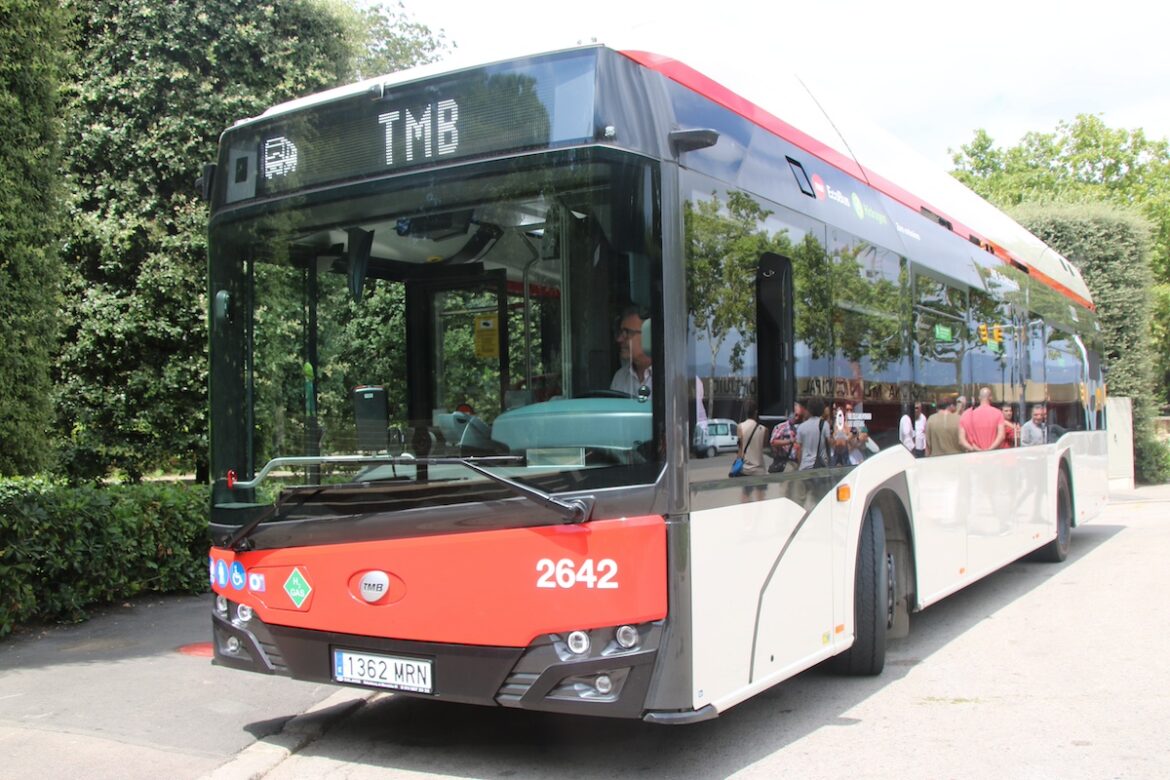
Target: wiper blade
(373, 460)
(575, 510)
(239, 541)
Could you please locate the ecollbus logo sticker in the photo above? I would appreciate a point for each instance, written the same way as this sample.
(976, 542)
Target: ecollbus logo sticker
(297, 588)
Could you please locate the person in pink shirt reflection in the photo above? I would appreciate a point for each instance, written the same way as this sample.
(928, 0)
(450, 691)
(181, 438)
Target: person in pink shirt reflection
(982, 427)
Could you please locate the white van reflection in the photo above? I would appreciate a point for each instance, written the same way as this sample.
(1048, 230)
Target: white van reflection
(715, 436)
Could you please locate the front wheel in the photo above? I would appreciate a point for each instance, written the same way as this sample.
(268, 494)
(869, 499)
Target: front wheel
(872, 585)
(1057, 550)
(710, 452)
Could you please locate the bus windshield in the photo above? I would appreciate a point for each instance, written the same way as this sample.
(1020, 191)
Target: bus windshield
(503, 312)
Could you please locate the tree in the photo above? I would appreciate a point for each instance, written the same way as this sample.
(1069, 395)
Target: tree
(155, 85)
(32, 39)
(1086, 162)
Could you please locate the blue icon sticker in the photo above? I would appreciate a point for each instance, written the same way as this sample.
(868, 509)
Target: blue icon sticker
(239, 577)
(221, 573)
(211, 569)
(256, 582)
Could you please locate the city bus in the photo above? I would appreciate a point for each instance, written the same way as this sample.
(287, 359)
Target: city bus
(463, 327)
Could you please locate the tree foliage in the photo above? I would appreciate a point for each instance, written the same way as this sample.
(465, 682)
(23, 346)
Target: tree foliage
(32, 39)
(155, 85)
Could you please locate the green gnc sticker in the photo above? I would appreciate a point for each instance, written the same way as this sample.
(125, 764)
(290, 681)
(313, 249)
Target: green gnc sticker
(297, 588)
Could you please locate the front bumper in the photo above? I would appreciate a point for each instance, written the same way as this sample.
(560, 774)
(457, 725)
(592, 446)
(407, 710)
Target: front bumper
(545, 676)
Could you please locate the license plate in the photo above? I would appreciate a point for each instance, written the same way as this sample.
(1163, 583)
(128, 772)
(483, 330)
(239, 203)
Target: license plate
(383, 671)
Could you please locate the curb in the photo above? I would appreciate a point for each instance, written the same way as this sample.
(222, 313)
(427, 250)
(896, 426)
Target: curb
(264, 755)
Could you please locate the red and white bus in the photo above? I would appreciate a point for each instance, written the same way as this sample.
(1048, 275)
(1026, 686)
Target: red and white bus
(465, 324)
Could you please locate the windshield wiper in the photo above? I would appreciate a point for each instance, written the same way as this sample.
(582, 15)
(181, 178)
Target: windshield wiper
(240, 542)
(575, 510)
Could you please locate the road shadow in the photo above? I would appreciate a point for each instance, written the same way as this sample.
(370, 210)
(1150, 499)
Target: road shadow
(136, 628)
(418, 735)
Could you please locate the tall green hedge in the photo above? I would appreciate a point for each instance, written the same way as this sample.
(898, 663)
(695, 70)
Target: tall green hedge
(65, 549)
(31, 61)
(1111, 247)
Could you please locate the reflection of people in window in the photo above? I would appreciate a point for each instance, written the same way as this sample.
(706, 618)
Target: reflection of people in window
(912, 431)
(981, 428)
(1011, 429)
(752, 436)
(1035, 431)
(634, 372)
(942, 429)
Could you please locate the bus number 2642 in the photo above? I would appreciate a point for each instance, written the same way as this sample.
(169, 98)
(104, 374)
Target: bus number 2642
(565, 573)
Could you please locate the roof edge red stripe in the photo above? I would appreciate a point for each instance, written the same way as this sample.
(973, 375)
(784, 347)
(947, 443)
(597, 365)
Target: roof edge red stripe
(709, 88)
(689, 77)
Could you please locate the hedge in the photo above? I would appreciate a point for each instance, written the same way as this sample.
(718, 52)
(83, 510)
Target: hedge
(65, 549)
(1111, 247)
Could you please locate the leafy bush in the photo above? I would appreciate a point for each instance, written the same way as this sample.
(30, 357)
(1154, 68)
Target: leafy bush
(1111, 246)
(64, 549)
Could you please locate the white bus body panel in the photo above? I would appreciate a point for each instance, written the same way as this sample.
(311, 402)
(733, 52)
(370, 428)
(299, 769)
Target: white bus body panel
(772, 589)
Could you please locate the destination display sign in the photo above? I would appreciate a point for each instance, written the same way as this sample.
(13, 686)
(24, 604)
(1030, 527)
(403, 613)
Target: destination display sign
(527, 104)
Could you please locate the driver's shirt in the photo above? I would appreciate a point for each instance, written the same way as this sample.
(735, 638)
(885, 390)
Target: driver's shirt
(626, 380)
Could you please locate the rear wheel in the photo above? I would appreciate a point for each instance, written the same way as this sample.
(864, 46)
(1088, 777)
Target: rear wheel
(872, 593)
(1057, 550)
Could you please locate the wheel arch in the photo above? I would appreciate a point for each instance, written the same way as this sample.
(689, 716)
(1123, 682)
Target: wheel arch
(893, 502)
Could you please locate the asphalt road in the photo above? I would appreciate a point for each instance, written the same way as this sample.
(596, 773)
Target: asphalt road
(1038, 671)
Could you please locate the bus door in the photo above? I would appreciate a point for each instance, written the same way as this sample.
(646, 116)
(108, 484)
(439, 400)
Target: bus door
(456, 360)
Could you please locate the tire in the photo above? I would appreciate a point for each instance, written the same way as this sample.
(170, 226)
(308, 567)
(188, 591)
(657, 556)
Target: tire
(1057, 550)
(710, 452)
(871, 602)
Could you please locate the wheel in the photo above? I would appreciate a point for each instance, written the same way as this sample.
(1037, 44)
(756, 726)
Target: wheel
(1057, 550)
(710, 452)
(873, 584)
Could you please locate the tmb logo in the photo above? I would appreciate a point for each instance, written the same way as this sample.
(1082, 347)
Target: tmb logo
(374, 586)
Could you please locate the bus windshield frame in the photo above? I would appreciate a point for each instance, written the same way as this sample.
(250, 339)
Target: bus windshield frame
(470, 312)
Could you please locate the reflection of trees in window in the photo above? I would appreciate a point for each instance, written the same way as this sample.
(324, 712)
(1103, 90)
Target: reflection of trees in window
(940, 316)
(725, 242)
(813, 292)
(866, 318)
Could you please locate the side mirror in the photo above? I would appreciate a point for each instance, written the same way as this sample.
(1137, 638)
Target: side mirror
(357, 252)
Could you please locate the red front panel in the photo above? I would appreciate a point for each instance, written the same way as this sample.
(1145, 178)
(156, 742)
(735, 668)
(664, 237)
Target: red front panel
(497, 588)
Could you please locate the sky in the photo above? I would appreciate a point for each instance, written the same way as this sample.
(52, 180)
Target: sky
(931, 73)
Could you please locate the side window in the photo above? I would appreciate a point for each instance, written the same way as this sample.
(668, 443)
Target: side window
(757, 294)
(992, 352)
(1064, 370)
(1035, 385)
(870, 287)
(940, 325)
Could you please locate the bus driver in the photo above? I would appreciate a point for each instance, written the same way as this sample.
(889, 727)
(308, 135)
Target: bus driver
(634, 372)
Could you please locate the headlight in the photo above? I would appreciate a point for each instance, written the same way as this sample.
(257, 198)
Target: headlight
(579, 642)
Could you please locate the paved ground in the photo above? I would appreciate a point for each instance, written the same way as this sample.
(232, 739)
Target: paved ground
(115, 698)
(1038, 671)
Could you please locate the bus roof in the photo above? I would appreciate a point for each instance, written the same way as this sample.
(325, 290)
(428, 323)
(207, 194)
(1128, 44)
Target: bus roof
(828, 131)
